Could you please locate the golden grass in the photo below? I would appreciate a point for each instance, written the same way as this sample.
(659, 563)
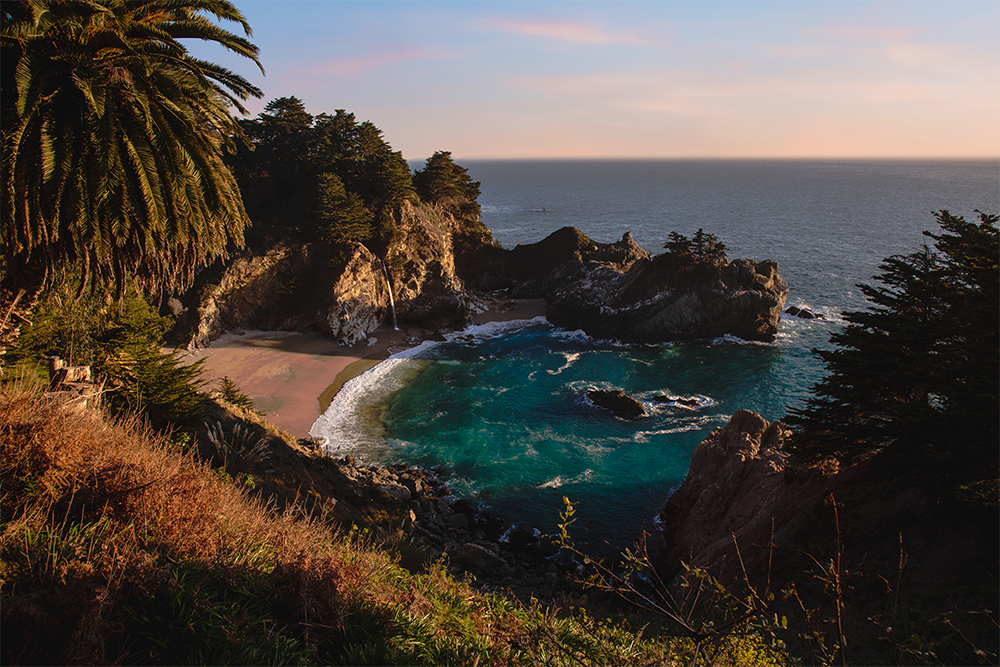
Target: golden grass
(96, 513)
(117, 547)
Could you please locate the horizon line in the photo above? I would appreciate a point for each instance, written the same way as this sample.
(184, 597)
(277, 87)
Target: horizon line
(708, 158)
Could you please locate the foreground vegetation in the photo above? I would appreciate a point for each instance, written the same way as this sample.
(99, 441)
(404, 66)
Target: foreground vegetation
(119, 547)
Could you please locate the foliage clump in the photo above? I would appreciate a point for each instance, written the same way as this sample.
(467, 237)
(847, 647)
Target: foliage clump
(113, 136)
(448, 185)
(324, 177)
(703, 247)
(120, 340)
(916, 375)
(229, 392)
(117, 549)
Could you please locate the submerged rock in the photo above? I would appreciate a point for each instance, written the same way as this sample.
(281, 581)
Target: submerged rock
(617, 401)
(803, 313)
(686, 402)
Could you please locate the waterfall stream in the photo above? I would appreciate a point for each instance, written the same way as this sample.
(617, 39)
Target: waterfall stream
(392, 302)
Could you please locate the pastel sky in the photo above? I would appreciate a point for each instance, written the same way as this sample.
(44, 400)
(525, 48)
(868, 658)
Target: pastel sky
(653, 78)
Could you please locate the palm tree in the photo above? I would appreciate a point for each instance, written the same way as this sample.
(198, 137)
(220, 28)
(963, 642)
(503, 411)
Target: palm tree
(113, 136)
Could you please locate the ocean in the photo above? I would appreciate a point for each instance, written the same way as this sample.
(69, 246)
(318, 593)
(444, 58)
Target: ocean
(501, 410)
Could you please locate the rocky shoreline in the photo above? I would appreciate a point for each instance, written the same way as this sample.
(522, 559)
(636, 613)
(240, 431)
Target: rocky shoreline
(431, 523)
(436, 274)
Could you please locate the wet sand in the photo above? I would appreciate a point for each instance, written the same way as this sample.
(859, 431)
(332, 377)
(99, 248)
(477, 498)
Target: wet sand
(292, 377)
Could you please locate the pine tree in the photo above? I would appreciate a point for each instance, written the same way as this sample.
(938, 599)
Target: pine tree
(703, 247)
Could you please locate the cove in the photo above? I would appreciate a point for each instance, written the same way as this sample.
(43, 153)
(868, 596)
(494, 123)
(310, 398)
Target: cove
(501, 411)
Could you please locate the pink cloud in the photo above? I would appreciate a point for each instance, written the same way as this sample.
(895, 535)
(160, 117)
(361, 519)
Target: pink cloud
(567, 32)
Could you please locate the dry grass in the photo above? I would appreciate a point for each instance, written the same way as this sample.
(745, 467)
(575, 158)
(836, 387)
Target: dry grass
(118, 547)
(98, 515)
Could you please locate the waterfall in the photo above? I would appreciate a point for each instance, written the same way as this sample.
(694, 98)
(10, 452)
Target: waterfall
(392, 302)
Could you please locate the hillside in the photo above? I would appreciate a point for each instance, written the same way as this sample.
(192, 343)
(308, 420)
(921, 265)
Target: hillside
(122, 547)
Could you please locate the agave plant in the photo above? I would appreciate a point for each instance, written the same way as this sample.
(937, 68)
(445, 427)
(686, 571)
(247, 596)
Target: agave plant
(237, 450)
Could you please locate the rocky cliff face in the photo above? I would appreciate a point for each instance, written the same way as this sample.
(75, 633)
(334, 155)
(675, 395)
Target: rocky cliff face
(296, 287)
(618, 291)
(740, 478)
(610, 290)
(748, 512)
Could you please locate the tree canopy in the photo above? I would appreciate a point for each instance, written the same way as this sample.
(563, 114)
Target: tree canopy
(448, 185)
(323, 177)
(703, 247)
(917, 373)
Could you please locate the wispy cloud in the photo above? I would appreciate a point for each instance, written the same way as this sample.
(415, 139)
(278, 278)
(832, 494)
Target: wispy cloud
(350, 66)
(567, 32)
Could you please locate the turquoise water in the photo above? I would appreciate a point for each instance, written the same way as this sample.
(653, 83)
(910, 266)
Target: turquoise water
(501, 409)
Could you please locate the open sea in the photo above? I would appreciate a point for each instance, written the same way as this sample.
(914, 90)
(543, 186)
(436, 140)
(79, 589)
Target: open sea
(501, 410)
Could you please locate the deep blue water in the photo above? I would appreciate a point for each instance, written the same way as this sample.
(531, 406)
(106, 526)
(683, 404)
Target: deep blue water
(504, 415)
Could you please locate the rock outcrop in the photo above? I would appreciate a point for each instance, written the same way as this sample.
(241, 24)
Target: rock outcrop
(298, 287)
(748, 512)
(618, 291)
(738, 480)
(609, 290)
(618, 402)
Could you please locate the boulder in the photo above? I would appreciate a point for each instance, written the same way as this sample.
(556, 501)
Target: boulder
(482, 558)
(803, 313)
(740, 479)
(686, 402)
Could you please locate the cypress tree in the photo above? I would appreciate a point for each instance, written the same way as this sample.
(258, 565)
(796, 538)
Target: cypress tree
(917, 373)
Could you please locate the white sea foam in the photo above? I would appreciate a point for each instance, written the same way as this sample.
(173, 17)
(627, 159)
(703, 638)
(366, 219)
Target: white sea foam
(346, 425)
(490, 330)
(828, 313)
(571, 358)
(673, 401)
(558, 481)
(731, 339)
(644, 436)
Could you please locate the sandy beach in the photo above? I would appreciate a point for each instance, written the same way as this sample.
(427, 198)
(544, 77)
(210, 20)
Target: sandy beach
(293, 377)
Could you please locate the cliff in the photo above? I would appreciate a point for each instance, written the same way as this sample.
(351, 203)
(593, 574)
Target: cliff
(301, 287)
(436, 262)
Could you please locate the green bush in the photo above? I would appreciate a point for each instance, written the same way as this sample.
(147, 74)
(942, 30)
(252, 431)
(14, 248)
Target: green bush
(121, 341)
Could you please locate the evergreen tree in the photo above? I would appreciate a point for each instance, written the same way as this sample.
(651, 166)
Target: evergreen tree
(322, 178)
(678, 244)
(121, 341)
(917, 373)
(703, 247)
(448, 185)
(708, 247)
(341, 215)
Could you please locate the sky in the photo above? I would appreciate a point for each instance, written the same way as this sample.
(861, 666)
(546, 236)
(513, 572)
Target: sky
(641, 79)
